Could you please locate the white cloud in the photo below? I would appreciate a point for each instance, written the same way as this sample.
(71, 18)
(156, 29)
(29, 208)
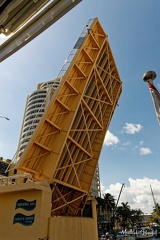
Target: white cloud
(142, 150)
(137, 194)
(145, 151)
(134, 148)
(110, 139)
(126, 143)
(132, 128)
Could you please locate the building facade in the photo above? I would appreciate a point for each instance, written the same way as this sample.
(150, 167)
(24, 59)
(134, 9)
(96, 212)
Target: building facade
(36, 104)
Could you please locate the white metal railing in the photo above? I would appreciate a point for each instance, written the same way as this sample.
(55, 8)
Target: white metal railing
(15, 179)
(75, 48)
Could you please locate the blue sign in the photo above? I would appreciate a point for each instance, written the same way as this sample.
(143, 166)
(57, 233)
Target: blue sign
(26, 205)
(23, 219)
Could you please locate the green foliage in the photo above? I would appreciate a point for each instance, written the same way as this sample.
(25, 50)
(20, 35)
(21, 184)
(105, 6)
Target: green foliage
(156, 214)
(8, 160)
(122, 216)
(127, 217)
(109, 202)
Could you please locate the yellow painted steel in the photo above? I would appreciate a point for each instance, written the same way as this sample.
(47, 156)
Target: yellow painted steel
(66, 145)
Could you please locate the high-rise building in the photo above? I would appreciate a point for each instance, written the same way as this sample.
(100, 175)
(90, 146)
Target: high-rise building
(96, 188)
(36, 104)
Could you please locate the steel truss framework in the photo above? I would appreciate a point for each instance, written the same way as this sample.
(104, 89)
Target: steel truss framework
(66, 145)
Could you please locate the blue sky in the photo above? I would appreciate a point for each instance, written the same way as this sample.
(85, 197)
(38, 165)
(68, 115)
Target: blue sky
(131, 152)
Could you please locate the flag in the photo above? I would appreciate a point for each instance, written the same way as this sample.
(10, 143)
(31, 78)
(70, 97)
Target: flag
(156, 99)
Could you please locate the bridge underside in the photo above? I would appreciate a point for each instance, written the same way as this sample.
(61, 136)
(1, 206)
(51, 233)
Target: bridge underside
(66, 145)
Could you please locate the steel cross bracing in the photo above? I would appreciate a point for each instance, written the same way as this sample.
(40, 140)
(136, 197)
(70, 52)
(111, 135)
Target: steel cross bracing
(66, 145)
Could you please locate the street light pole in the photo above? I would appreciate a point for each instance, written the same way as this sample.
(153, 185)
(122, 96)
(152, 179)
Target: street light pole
(4, 117)
(149, 78)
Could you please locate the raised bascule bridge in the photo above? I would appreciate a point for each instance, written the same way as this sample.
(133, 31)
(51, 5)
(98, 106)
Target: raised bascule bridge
(62, 155)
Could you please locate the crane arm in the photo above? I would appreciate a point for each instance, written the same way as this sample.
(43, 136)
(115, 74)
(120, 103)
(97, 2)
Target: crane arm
(155, 204)
(153, 196)
(123, 185)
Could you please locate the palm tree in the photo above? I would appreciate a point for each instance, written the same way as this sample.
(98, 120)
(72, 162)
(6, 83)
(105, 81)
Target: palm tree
(124, 214)
(156, 209)
(106, 205)
(109, 207)
(156, 214)
(109, 203)
(136, 216)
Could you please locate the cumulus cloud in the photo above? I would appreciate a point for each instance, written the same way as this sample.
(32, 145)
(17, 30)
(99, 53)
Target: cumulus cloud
(145, 151)
(132, 128)
(110, 139)
(142, 150)
(137, 193)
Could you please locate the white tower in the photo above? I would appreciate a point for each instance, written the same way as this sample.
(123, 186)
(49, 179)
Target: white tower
(36, 104)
